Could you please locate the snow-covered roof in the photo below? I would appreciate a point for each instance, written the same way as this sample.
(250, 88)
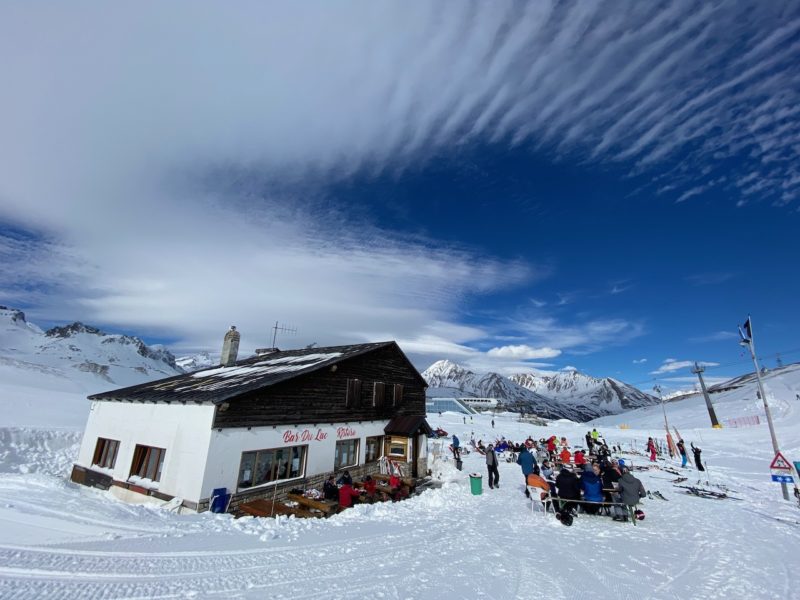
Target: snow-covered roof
(221, 383)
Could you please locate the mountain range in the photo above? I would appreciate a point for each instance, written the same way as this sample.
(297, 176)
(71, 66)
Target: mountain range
(567, 394)
(84, 356)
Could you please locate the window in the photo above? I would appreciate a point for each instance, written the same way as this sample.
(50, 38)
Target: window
(396, 446)
(263, 466)
(346, 454)
(374, 448)
(105, 453)
(353, 393)
(148, 462)
(378, 393)
(397, 399)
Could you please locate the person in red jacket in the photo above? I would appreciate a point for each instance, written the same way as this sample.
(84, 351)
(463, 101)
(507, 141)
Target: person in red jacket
(651, 448)
(370, 487)
(398, 490)
(565, 456)
(580, 460)
(347, 495)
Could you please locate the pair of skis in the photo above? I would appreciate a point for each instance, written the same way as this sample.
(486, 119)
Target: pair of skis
(656, 494)
(705, 493)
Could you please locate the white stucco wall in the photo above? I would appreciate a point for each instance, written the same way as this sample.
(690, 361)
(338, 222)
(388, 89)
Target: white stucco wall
(182, 430)
(226, 447)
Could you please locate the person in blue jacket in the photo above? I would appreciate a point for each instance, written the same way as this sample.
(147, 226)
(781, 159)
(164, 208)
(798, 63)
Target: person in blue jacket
(592, 487)
(527, 463)
(456, 446)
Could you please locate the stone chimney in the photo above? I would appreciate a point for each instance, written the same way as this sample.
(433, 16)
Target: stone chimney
(230, 348)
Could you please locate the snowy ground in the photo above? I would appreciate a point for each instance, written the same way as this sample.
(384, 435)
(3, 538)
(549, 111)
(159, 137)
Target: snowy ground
(61, 540)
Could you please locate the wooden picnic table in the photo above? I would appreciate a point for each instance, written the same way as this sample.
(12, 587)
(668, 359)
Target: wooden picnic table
(327, 507)
(408, 481)
(269, 508)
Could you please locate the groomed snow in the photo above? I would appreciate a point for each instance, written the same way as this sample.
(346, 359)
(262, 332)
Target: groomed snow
(60, 540)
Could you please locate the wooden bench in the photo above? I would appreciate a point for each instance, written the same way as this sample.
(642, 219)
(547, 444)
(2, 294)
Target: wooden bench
(269, 508)
(327, 507)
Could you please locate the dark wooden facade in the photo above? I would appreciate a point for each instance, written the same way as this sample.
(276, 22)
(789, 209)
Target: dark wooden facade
(321, 396)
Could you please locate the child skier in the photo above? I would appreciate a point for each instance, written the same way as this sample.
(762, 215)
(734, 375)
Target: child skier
(697, 460)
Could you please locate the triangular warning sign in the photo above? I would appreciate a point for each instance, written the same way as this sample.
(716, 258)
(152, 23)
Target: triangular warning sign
(780, 463)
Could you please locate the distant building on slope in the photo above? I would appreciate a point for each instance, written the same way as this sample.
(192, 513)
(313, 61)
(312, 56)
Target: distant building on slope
(257, 427)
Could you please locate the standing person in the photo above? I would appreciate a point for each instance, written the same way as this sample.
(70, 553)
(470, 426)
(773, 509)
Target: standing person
(492, 423)
(630, 490)
(491, 466)
(527, 463)
(595, 434)
(682, 450)
(651, 448)
(589, 441)
(456, 446)
(697, 461)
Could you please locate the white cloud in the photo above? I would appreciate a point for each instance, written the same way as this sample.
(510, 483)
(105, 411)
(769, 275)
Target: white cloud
(523, 352)
(569, 368)
(671, 365)
(146, 155)
(717, 336)
(581, 337)
(639, 361)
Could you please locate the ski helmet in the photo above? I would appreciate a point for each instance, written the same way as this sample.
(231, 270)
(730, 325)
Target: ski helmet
(639, 515)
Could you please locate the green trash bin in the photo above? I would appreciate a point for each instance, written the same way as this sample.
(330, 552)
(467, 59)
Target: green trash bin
(476, 483)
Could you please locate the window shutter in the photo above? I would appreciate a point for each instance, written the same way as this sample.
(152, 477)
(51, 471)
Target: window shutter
(397, 400)
(378, 394)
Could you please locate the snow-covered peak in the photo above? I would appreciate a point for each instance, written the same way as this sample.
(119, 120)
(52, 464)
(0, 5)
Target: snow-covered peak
(91, 359)
(446, 373)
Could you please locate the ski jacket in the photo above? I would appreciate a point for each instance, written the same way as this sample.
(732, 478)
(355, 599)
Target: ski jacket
(610, 477)
(371, 487)
(568, 485)
(592, 487)
(595, 434)
(526, 462)
(491, 459)
(346, 495)
(330, 490)
(456, 443)
(579, 459)
(630, 489)
(542, 455)
(565, 456)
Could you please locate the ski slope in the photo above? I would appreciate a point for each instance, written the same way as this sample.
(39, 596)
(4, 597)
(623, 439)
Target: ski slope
(60, 540)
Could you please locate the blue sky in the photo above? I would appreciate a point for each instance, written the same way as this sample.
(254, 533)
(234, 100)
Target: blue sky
(511, 186)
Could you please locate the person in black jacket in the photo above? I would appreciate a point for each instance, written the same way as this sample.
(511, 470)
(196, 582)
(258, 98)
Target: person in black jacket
(330, 490)
(697, 460)
(569, 488)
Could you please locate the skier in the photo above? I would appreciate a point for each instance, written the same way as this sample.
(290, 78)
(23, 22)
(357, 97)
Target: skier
(697, 460)
(527, 463)
(492, 423)
(651, 448)
(491, 466)
(456, 446)
(682, 450)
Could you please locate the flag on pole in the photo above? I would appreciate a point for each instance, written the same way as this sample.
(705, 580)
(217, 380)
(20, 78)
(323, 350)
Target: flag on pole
(748, 328)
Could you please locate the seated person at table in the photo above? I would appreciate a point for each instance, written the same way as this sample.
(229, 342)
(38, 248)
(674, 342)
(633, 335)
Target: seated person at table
(345, 478)
(370, 486)
(565, 456)
(580, 459)
(347, 495)
(398, 490)
(329, 489)
(592, 486)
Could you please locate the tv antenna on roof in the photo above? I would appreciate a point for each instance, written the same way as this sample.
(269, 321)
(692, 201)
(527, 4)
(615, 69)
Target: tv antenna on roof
(283, 329)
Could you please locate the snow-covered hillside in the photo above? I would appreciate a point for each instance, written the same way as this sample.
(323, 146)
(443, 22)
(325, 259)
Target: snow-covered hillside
(68, 363)
(570, 395)
(60, 540)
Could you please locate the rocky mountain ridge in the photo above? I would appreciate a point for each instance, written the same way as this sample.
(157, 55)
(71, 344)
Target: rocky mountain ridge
(569, 394)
